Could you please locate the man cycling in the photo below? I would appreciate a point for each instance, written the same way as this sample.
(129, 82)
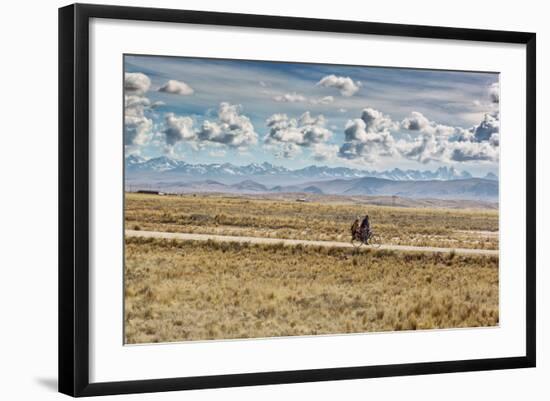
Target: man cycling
(364, 229)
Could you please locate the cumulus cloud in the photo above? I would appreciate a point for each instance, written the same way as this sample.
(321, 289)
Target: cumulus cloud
(345, 85)
(368, 137)
(324, 152)
(137, 129)
(494, 140)
(132, 102)
(489, 126)
(427, 148)
(372, 136)
(136, 82)
(473, 151)
(376, 121)
(363, 144)
(178, 129)
(137, 125)
(231, 128)
(287, 150)
(424, 148)
(491, 102)
(137, 107)
(437, 142)
(290, 134)
(177, 88)
(418, 122)
(479, 143)
(494, 92)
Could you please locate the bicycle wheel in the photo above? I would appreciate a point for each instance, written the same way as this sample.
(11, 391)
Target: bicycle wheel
(356, 243)
(374, 241)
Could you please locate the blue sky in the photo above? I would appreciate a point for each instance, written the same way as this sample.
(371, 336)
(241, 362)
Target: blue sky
(295, 114)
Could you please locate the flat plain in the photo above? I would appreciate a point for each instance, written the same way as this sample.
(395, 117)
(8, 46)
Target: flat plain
(203, 290)
(188, 290)
(316, 220)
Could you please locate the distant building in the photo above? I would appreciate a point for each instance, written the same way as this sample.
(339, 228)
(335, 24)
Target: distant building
(301, 200)
(149, 191)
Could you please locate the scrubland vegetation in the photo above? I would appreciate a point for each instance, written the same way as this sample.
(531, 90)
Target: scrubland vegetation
(227, 215)
(179, 290)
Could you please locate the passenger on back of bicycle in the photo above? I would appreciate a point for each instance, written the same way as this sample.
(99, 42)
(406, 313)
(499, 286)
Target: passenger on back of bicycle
(355, 230)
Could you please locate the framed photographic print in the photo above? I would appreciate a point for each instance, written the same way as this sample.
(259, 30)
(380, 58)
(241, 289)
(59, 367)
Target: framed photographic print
(250, 199)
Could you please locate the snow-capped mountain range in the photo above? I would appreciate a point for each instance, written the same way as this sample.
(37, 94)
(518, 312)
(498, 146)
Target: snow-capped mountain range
(169, 168)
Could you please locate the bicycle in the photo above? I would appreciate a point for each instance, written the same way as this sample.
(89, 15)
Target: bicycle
(372, 239)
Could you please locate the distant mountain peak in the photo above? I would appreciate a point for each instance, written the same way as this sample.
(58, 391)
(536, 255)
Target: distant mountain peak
(134, 159)
(491, 176)
(167, 165)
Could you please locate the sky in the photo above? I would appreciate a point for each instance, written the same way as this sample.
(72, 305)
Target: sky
(299, 114)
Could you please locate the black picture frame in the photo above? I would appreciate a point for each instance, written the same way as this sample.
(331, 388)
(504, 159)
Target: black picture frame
(74, 199)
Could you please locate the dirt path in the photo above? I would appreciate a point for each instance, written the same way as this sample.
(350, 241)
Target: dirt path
(259, 240)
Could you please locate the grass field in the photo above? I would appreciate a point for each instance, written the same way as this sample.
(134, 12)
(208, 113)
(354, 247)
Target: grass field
(226, 215)
(177, 290)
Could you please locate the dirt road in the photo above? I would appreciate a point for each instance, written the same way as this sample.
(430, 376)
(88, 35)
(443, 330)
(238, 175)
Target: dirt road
(259, 240)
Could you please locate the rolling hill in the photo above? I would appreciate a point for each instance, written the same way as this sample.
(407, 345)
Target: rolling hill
(468, 189)
(169, 175)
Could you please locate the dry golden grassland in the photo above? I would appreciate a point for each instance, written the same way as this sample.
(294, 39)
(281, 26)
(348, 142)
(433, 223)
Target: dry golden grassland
(191, 290)
(226, 215)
